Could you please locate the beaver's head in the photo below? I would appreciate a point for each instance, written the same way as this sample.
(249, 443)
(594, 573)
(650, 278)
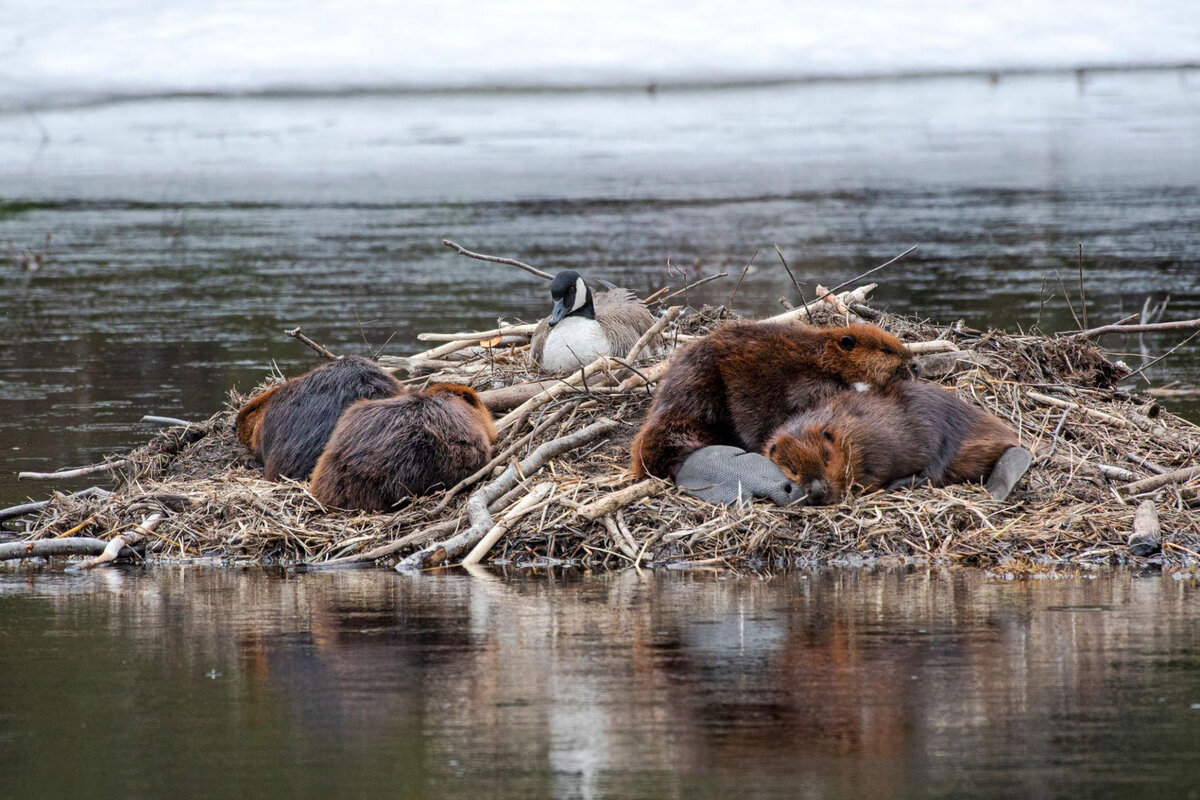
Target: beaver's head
(817, 459)
(866, 356)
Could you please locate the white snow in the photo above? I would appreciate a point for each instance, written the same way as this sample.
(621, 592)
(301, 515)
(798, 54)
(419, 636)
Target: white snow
(54, 49)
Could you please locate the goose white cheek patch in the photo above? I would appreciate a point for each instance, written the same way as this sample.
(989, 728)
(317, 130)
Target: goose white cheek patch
(580, 294)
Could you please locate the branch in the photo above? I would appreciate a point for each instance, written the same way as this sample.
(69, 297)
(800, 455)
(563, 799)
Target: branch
(321, 349)
(165, 420)
(1158, 481)
(691, 286)
(43, 548)
(512, 262)
(29, 508)
(1177, 325)
(475, 336)
(477, 506)
(655, 329)
(528, 503)
(621, 498)
(78, 472)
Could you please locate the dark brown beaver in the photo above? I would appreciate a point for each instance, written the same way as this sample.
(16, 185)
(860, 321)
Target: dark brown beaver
(910, 432)
(384, 451)
(741, 382)
(287, 426)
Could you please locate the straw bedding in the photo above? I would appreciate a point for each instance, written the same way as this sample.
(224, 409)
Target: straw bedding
(1091, 441)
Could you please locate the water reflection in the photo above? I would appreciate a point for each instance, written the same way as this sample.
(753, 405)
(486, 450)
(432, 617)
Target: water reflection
(889, 683)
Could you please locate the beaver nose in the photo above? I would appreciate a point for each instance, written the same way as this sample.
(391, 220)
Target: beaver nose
(818, 491)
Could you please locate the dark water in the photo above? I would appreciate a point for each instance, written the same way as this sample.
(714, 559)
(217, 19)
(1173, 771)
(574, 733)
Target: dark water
(187, 234)
(856, 684)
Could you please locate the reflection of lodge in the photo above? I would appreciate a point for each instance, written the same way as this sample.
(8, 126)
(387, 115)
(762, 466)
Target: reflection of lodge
(856, 682)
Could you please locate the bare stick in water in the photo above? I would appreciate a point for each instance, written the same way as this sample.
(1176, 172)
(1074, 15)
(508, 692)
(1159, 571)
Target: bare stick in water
(512, 262)
(42, 548)
(65, 474)
(165, 420)
(321, 349)
(29, 508)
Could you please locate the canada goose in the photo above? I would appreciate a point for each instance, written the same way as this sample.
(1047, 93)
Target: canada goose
(584, 326)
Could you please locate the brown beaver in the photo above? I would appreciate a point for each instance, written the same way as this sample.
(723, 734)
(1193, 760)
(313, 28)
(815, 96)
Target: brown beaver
(287, 426)
(744, 380)
(383, 451)
(908, 433)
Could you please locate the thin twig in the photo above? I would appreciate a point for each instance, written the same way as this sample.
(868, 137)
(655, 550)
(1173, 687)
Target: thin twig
(512, 262)
(321, 350)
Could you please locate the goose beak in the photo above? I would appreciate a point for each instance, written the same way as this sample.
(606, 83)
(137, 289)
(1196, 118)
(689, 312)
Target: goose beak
(556, 316)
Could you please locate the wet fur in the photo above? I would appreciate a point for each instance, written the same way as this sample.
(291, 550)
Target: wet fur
(911, 432)
(287, 426)
(248, 425)
(384, 451)
(744, 380)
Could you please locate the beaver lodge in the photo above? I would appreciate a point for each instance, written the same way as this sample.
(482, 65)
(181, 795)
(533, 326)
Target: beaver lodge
(1106, 462)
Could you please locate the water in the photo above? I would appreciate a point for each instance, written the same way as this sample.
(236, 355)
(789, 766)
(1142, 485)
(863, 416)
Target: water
(187, 234)
(206, 683)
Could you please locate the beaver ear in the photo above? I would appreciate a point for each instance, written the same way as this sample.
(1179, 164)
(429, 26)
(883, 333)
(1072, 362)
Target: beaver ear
(847, 342)
(772, 447)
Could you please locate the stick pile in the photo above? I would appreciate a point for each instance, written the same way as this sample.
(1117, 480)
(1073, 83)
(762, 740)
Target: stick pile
(557, 491)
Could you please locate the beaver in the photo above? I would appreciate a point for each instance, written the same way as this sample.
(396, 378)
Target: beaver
(744, 380)
(287, 426)
(383, 451)
(248, 425)
(909, 433)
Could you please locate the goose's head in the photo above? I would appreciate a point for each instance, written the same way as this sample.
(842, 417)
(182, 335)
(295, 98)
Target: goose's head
(572, 297)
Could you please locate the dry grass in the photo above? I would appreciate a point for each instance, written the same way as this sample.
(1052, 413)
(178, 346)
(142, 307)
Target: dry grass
(1066, 511)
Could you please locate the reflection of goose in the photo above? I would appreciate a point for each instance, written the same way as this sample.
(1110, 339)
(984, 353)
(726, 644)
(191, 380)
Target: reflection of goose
(584, 326)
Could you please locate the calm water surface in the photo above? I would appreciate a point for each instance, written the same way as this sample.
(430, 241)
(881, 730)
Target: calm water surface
(207, 683)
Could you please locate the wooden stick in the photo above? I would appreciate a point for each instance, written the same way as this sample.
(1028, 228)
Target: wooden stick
(1158, 481)
(523, 507)
(512, 262)
(558, 389)
(509, 397)
(1178, 325)
(78, 472)
(621, 498)
(302, 339)
(475, 336)
(1116, 473)
(1146, 539)
(648, 375)
(27, 508)
(165, 420)
(662, 322)
(43, 548)
(691, 286)
(933, 346)
(849, 298)
(477, 506)
(1090, 412)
